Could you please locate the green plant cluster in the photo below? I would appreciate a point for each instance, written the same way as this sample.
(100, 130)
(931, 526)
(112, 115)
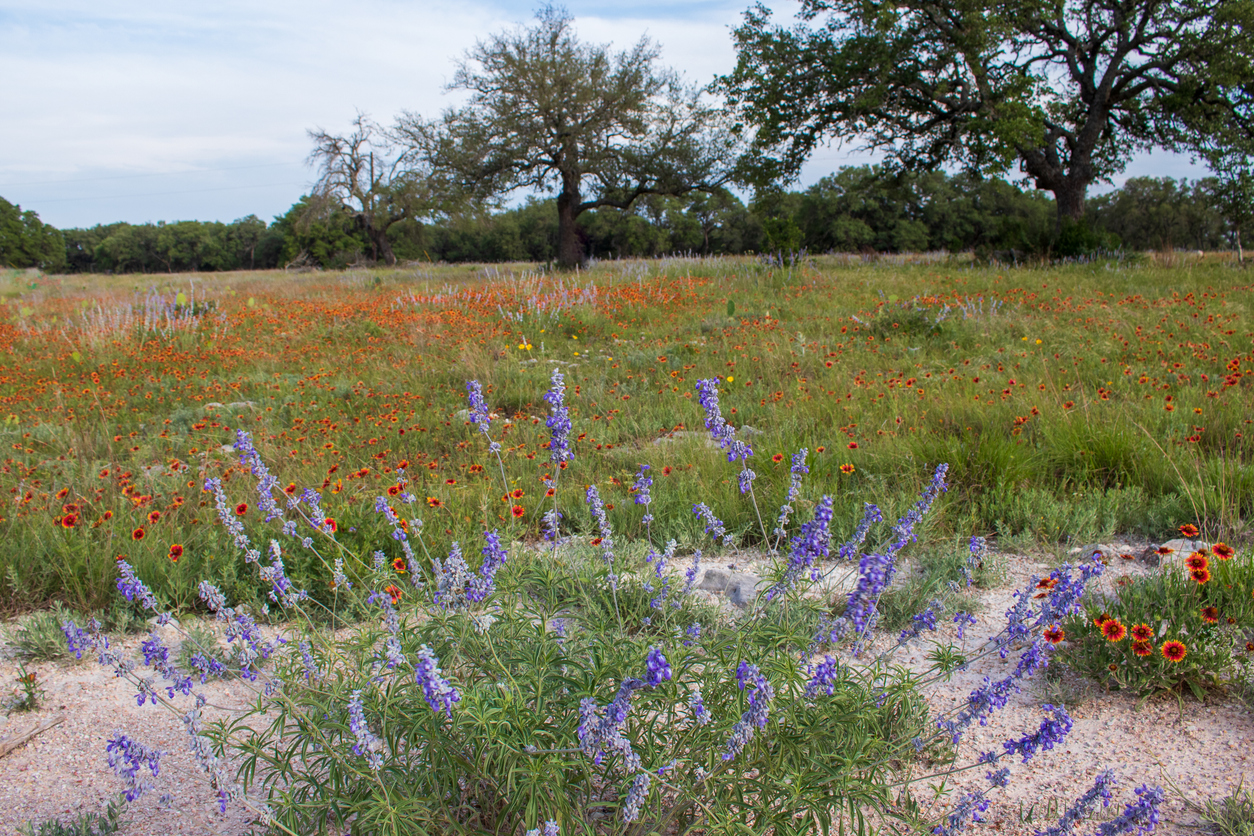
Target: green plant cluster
(1188, 626)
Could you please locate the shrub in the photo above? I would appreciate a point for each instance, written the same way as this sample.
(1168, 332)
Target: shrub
(567, 686)
(1187, 626)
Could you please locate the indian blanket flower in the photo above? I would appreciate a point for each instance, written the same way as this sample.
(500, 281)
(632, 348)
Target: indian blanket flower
(1174, 650)
(558, 421)
(1113, 630)
(436, 690)
(1142, 632)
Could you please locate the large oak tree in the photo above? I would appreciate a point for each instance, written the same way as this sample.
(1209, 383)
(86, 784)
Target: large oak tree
(1066, 89)
(547, 111)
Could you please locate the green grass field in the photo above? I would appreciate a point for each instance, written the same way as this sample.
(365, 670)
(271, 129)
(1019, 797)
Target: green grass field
(1070, 402)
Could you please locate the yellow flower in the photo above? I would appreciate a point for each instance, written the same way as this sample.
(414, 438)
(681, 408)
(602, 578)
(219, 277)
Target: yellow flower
(731, 378)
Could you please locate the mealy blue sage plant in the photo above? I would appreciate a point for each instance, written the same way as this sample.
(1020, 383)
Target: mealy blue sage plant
(564, 688)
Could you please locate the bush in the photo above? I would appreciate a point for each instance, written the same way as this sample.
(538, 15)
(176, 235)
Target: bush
(566, 685)
(1186, 627)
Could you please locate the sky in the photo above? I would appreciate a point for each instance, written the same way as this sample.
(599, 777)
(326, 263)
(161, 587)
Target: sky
(143, 111)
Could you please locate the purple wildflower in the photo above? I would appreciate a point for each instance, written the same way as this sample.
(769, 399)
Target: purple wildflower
(760, 696)
(636, 795)
(1083, 805)
(494, 557)
(713, 525)
(600, 729)
(436, 690)
(809, 546)
(825, 677)
(1052, 731)
(1141, 814)
(126, 757)
(558, 421)
(603, 526)
(797, 470)
(367, 742)
(659, 668)
(479, 414)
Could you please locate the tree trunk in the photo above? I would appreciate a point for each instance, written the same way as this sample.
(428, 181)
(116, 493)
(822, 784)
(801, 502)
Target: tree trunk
(379, 244)
(1069, 197)
(569, 248)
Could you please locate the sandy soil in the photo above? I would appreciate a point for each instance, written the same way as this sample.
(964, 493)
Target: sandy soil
(1203, 749)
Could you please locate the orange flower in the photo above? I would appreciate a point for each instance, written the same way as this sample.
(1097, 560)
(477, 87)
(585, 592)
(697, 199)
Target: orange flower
(434, 502)
(290, 489)
(153, 516)
(1197, 560)
(777, 458)
(1142, 633)
(1142, 649)
(1054, 634)
(1173, 650)
(330, 524)
(517, 493)
(176, 551)
(1200, 575)
(853, 445)
(398, 565)
(69, 521)
(63, 493)
(847, 468)
(1113, 630)
(394, 591)
(1100, 620)
(394, 490)
(241, 509)
(137, 534)
(1189, 530)
(1223, 551)
(1210, 615)
(517, 511)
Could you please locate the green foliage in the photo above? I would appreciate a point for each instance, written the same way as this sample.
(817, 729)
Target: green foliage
(985, 86)
(29, 695)
(85, 824)
(25, 241)
(546, 110)
(1157, 213)
(1212, 619)
(38, 637)
(1232, 815)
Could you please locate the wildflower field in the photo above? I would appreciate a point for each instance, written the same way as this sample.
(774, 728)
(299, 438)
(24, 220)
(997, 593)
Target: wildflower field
(1070, 403)
(478, 500)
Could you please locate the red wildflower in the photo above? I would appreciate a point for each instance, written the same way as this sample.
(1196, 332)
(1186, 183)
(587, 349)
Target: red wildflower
(1142, 648)
(1189, 530)
(1113, 630)
(394, 591)
(398, 565)
(241, 509)
(847, 468)
(1200, 575)
(137, 534)
(1142, 633)
(176, 551)
(1210, 615)
(517, 511)
(1173, 650)
(1223, 551)
(1054, 634)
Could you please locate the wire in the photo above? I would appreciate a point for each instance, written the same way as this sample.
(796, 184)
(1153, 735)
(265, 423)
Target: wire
(162, 194)
(153, 174)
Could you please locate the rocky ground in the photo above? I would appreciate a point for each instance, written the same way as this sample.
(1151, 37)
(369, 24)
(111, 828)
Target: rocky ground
(1197, 752)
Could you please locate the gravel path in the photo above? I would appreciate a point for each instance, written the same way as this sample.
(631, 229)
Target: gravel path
(1202, 750)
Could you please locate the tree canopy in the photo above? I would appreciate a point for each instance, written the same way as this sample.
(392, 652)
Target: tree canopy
(547, 110)
(369, 174)
(1066, 89)
(26, 241)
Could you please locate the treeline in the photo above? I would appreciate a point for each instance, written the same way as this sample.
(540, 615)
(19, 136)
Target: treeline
(857, 209)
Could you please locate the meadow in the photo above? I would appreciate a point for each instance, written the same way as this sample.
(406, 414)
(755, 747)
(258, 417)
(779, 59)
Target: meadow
(1071, 402)
(376, 426)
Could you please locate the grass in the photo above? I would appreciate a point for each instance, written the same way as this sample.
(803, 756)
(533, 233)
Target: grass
(1071, 403)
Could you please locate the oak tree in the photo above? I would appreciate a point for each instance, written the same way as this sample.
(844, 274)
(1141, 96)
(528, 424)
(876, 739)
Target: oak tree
(1067, 90)
(547, 111)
